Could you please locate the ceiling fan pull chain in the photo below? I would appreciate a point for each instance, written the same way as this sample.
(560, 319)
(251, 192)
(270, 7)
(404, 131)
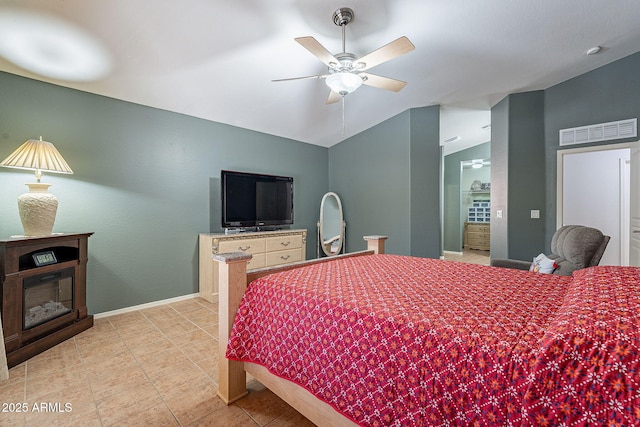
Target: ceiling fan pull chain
(343, 127)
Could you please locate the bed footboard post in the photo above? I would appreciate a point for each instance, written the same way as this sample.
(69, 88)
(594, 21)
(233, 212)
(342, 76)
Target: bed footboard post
(375, 243)
(232, 281)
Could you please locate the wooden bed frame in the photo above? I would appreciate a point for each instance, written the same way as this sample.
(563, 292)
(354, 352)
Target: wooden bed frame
(232, 379)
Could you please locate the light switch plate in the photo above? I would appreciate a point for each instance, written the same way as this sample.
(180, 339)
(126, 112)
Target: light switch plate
(535, 213)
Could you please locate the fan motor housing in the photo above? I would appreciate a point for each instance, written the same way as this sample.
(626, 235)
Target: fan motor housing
(347, 63)
(342, 16)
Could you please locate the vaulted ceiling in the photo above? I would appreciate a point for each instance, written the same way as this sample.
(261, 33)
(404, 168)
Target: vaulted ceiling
(216, 59)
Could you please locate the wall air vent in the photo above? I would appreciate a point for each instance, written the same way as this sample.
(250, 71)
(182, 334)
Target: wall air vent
(600, 132)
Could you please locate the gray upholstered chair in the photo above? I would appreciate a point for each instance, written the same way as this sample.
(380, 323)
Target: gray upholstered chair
(573, 247)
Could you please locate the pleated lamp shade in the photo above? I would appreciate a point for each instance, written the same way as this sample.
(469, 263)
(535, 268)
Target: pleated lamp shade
(37, 155)
(38, 207)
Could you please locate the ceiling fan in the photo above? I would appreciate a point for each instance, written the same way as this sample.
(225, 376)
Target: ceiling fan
(346, 72)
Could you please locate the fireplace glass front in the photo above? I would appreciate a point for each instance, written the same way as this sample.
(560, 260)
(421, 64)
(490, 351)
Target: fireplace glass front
(46, 297)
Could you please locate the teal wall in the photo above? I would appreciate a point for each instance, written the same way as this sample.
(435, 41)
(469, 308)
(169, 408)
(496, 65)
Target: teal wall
(452, 228)
(517, 154)
(388, 180)
(525, 141)
(527, 175)
(372, 177)
(425, 155)
(499, 178)
(609, 93)
(146, 182)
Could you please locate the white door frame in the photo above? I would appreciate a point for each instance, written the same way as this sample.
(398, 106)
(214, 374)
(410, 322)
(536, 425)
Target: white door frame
(560, 171)
(634, 208)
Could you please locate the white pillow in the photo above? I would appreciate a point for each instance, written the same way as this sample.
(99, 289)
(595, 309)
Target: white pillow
(542, 264)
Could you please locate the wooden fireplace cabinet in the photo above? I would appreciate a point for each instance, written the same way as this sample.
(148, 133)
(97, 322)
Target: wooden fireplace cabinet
(17, 264)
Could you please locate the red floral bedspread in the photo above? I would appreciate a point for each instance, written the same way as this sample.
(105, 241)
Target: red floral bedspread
(394, 340)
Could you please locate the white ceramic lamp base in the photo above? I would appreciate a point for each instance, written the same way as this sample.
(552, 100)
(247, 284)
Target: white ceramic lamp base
(37, 210)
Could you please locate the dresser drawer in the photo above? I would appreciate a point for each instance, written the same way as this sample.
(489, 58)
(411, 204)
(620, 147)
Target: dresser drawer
(473, 235)
(478, 228)
(268, 248)
(281, 243)
(284, 257)
(250, 246)
(257, 261)
(478, 240)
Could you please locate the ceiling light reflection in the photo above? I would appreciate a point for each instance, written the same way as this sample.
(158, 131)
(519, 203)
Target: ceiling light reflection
(51, 47)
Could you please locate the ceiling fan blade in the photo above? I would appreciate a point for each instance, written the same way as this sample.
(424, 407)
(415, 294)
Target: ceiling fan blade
(313, 46)
(387, 52)
(382, 82)
(321, 76)
(333, 97)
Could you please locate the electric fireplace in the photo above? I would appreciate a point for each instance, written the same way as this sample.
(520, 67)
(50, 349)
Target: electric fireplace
(46, 297)
(43, 298)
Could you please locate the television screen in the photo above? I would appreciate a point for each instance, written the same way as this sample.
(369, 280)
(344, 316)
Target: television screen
(255, 200)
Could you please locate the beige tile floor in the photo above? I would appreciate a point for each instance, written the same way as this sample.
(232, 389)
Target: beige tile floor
(151, 367)
(471, 256)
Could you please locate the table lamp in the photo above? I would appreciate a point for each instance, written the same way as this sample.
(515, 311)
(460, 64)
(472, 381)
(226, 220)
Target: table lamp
(37, 207)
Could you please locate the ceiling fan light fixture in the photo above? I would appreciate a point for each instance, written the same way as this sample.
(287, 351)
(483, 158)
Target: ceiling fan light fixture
(344, 83)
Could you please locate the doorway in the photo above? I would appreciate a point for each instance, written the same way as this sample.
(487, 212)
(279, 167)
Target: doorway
(455, 193)
(594, 189)
(465, 134)
(475, 203)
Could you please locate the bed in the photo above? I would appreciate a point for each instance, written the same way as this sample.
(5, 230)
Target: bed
(373, 339)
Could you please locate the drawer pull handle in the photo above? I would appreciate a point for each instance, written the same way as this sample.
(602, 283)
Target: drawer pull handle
(244, 249)
(285, 257)
(287, 243)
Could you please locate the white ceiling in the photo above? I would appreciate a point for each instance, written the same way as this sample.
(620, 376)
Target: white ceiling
(215, 59)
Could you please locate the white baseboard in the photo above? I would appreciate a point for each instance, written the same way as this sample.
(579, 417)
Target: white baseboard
(142, 306)
(452, 253)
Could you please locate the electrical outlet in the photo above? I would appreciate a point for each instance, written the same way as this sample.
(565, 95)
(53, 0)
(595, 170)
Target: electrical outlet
(535, 214)
(499, 213)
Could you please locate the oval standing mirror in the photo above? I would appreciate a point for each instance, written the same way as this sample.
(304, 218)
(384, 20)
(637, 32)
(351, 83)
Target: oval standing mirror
(331, 226)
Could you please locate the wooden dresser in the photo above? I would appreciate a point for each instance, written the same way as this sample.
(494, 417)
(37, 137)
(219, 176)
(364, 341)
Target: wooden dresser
(268, 248)
(477, 235)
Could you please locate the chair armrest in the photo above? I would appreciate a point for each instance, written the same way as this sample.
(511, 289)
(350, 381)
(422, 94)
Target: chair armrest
(510, 263)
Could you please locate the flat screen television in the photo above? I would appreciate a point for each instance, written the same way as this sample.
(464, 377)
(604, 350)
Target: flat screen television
(255, 200)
